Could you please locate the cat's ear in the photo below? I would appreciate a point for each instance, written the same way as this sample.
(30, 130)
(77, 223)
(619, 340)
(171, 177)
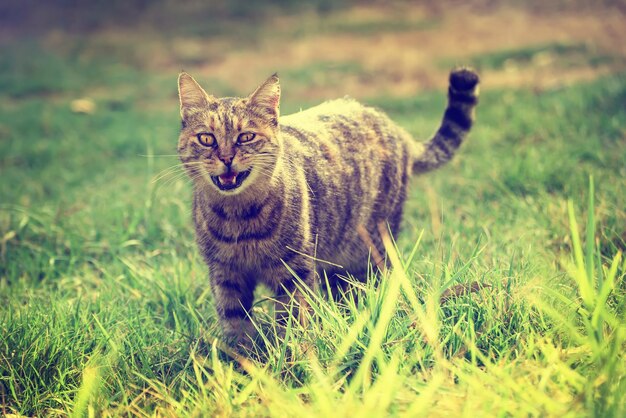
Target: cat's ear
(267, 96)
(192, 96)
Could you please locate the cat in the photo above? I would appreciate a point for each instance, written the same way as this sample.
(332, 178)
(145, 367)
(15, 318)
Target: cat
(273, 191)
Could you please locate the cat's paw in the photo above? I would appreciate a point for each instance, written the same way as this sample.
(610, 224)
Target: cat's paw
(463, 79)
(242, 338)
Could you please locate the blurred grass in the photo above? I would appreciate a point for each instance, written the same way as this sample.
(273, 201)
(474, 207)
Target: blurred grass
(397, 24)
(322, 73)
(105, 303)
(561, 54)
(190, 17)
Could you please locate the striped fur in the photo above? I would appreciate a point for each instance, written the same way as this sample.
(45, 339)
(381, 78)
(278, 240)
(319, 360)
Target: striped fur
(299, 191)
(457, 121)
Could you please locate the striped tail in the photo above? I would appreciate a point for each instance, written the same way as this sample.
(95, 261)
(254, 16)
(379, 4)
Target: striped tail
(456, 123)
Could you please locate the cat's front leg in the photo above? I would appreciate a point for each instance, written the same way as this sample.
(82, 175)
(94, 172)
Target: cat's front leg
(233, 293)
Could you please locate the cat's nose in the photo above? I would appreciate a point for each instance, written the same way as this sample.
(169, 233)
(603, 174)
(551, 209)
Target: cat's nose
(227, 160)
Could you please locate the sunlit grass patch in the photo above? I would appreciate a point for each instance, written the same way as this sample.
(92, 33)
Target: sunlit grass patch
(381, 353)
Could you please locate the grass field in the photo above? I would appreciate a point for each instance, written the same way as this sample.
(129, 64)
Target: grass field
(105, 307)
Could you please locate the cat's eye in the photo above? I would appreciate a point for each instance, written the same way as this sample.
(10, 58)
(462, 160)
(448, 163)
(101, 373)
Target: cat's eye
(206, 139)
(245, 137)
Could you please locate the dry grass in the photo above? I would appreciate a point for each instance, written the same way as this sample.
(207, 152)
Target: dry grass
(395, 61)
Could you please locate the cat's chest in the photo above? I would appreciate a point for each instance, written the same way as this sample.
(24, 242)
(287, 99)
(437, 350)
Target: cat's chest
(239, 235)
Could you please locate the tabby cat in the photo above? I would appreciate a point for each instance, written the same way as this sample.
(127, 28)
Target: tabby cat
(271, 192)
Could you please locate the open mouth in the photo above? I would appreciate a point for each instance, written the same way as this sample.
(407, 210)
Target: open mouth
(230, 180)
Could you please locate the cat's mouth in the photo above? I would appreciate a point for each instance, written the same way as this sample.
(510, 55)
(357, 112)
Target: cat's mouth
(230, 180)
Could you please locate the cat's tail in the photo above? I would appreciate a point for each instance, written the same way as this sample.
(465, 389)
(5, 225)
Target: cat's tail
(457, 122)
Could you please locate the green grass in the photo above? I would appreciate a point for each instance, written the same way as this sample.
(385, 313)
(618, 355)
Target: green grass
(321, 73)
(105, 308)
(359, 28)
(563, 55)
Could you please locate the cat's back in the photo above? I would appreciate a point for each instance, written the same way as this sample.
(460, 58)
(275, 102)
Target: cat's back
(356, 163)
(346, 106)
(343, 125)
(338, 114)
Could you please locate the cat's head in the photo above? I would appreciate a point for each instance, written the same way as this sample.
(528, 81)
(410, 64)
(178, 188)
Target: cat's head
(229, 144)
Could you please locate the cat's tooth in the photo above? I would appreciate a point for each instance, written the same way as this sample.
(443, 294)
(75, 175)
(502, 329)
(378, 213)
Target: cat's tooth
(228, 180)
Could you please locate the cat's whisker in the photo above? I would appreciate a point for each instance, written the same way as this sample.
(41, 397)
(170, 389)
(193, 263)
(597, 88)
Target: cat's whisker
(192, 179)
(263, 167)
(275, 157)
(180, 164)
(165, 174)
(174, 168)
(176, 172)
(172, 180)
(265, 174)
(261, 163)
(270, 162)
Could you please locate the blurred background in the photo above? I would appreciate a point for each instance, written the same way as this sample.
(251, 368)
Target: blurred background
(321, 48)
